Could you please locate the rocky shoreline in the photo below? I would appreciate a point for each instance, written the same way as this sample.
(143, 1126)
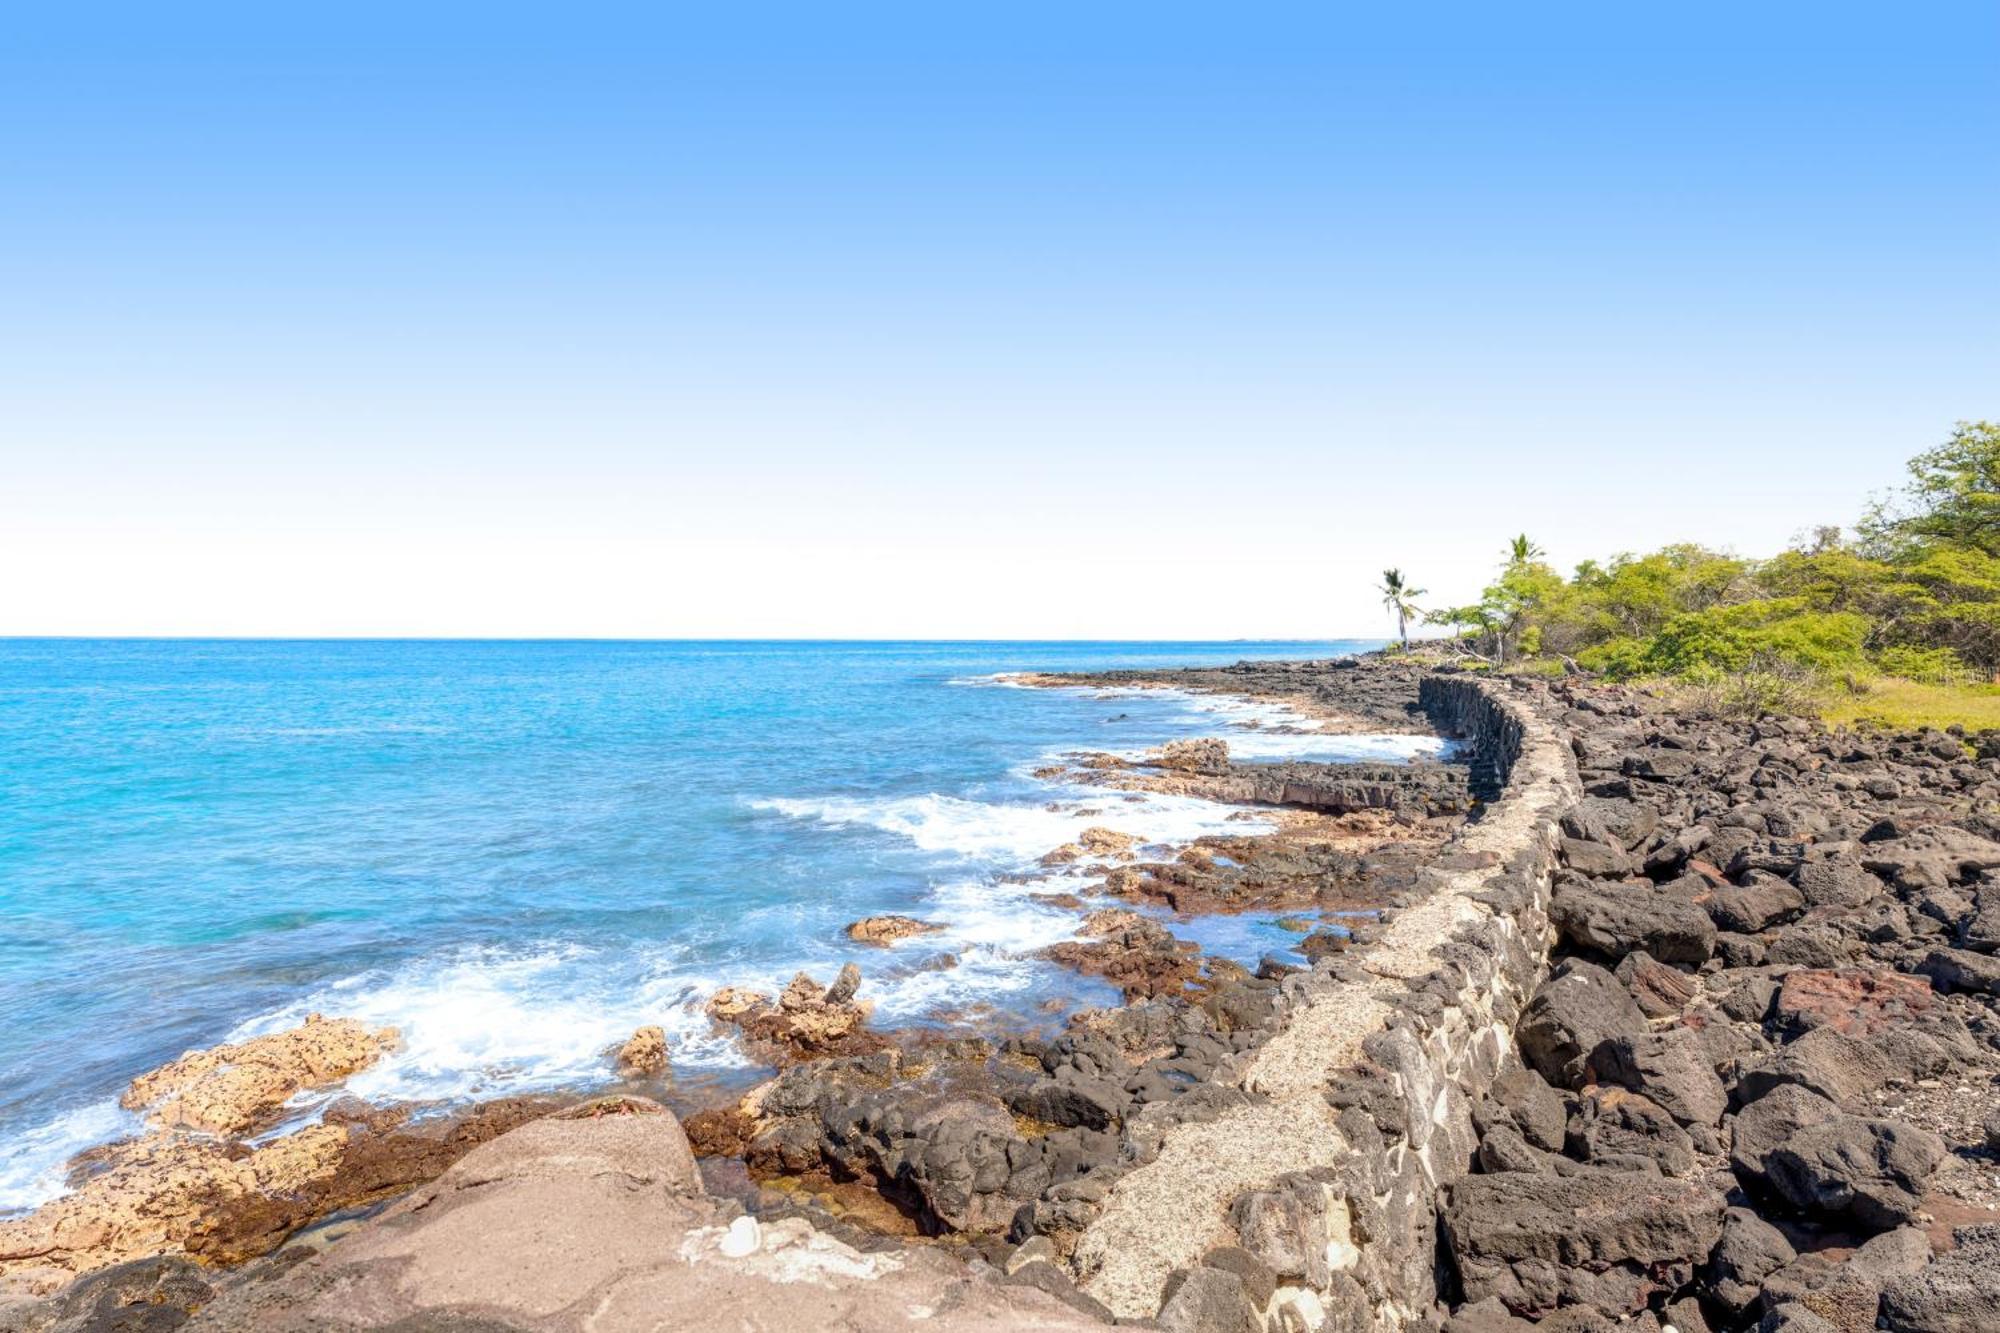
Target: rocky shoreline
(1628, 1019)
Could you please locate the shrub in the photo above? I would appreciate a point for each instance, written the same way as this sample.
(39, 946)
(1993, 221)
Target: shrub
(1931, 666)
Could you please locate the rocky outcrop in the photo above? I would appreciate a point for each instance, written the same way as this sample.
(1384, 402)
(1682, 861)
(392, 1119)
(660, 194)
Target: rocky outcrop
(176, 1190)
(597, 1219)
(806, 1021)
(887, 930)
(234, 1089)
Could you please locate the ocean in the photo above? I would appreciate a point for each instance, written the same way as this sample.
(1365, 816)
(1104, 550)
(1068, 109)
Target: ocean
(518, 852)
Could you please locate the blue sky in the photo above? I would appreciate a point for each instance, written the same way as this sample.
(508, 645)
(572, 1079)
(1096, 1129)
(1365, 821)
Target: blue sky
(927, 320)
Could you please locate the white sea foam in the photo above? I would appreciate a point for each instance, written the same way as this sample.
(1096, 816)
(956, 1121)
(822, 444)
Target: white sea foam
(1014, 835)
(36, 1160)
(481, 1022)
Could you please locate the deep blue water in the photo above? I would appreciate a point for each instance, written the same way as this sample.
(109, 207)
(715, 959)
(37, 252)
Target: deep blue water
(518, 852)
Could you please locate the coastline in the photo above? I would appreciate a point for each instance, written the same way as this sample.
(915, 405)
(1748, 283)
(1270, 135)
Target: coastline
(410, 1132)
(1614, 1054)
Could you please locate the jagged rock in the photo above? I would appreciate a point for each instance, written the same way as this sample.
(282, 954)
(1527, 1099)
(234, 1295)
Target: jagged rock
(1579, 1007)
(1962, 970)
(1207, 755)
(1831, 1063)
(1617, 919)
(237, 1088)
(1874, 1171)
(1761, 1127)
(1750, 1250)
(1835, 882)
(1604, 1239)
(1757, 904)
(1108, 842)
(644, 1053)
(1599, 860)
(1931, 857)
(1660, 991)
(1535, 1108)
(1671, 1068)
(1624, 1131)
(806, 1022)
(1847, 1294)
(1209, 1300)
(1855, 1001)
(1955, 1293)
(887, 930)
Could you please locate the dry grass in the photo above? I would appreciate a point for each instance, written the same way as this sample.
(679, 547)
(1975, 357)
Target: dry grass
(1889, 702)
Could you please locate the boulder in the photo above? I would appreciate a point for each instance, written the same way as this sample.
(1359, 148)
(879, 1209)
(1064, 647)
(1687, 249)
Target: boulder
(1208, 755)
(644, 1054)
(1599, 860)
(1955, 1293)
(1931, 857)
(1624, 1131)
(887, 930)
(1857, 1001)
(1617, 919)
(1761, 1127)
(1835, 882)
(1577, 1009)
(1750, 1250)
(1605, 1239)
(1660, 991)
(1671, 1068)
(1826, 1061)
(1873, 1171)
(1962, 970)
(1761, 901)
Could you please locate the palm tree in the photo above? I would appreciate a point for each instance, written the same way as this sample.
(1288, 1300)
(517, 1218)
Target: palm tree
(1400, 600)
(1521, 551)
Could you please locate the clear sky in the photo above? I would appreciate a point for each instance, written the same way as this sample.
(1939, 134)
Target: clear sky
(1083, 320)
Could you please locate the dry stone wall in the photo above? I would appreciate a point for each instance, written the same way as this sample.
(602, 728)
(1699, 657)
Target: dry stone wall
(1306, 1198)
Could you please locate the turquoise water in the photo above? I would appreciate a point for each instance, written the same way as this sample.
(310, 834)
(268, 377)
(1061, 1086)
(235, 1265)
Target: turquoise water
(518, 852)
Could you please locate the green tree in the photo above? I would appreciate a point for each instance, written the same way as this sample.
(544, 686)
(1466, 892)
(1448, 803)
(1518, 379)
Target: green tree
(1952, 498)
(1521, 551)
(1400, 600)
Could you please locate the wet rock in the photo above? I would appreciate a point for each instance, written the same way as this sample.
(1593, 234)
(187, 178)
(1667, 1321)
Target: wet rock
(1617, 919)
(236, 1088)
(1207, 755)
(1671, 1068)
(887, 930)
(1578, 1008)
(1874, 1171)
(644, 1054)
(806, 1022)
(145, 1296)
(1137, 955)
(1609, 1240)
(1955, 1293)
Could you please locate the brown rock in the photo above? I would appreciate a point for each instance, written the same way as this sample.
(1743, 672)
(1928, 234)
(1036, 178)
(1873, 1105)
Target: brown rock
(237, 1088)
(1857, 1001)
(886, 930)
(1208, 755)
(645, 1054)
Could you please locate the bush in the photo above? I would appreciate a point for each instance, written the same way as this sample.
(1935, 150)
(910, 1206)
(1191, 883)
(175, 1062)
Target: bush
(1766, 686)
(1930, 666)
